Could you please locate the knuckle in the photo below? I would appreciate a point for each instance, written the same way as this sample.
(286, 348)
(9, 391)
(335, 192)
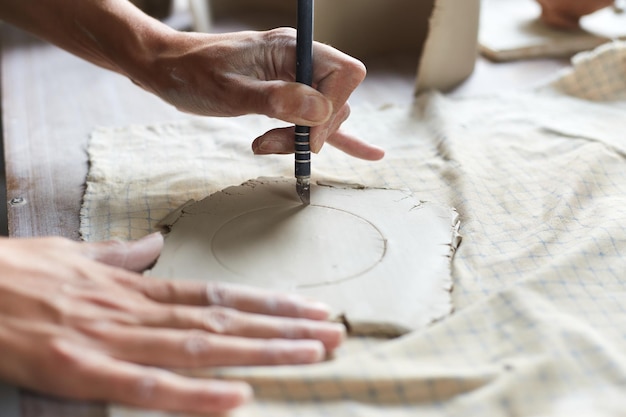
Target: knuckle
(358, 68)
(146, 385)
(219, 320)
(162, 290)
(344, 113)
(282, 34)
(112, 252)
(355, 73)
(57, 309)
(219, 294)
(115, 244)
(352, 71)
(140, 389)
(171, 292)
(277, 102)
(295, 330)
(55, 244)
(173, 315)
(99, 330)
(275, 352)
(196, 345)
(63, 358)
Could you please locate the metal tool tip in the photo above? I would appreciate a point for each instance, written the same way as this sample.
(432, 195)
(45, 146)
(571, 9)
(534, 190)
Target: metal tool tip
(303, 187)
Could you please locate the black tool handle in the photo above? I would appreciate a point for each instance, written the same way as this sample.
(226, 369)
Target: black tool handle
(304, 75)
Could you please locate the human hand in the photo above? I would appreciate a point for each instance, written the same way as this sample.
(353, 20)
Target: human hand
(76, 322)
(208, 74)
(253, 72)
(566, 14)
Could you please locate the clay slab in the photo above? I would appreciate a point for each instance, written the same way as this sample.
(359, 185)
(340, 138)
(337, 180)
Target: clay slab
(378, 257)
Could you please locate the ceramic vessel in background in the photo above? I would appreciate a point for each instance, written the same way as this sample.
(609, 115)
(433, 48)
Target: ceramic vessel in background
(450, 50)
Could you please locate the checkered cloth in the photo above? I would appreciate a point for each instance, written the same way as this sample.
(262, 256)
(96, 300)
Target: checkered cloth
(539, 180)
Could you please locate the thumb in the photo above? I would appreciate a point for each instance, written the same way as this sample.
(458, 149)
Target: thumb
(287, 101)
(136, 255)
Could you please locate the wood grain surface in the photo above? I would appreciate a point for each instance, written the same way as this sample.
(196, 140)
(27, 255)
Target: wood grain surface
(51, 101)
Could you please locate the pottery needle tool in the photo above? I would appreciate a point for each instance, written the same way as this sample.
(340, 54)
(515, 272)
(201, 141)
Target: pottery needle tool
(304, 75)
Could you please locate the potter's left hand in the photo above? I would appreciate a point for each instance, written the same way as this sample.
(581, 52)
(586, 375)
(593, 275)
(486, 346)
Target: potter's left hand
(77, 322)
(254, 72)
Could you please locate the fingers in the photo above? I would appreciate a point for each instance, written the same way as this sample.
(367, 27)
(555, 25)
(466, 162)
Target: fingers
(355, 147)
(135, 256)
(344, 142)
(276, 141)
(319, 134)
(239, 297)
(196, 348)
(287, 101)
(105, 378)
(280, 141)
(260, 301)
(254, 72)
(336, 75)
(227, 321)
(93, 323)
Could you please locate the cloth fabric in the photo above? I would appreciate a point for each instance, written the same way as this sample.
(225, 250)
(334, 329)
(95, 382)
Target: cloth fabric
(539, 181)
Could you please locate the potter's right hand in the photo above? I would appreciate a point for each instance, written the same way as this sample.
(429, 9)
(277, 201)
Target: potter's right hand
(228, 74)
(566, 14)
(76, 321)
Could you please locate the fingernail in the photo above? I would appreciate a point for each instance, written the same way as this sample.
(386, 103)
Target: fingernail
(308, 351)
(315, 109)
(141, 254)
(331, 334)
(148, 243)
(245, 392)
(274, 146)
(155, 235)
(226, 394)
(317, 310)
(316, 143)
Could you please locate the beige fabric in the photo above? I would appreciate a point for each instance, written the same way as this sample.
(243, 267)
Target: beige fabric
(599, 75)
(539, 180)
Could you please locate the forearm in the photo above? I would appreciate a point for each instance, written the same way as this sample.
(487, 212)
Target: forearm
(113, 34)
(206, 74)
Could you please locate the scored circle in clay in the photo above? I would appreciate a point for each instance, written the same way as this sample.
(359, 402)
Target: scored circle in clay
(378, 257)
(287, 239)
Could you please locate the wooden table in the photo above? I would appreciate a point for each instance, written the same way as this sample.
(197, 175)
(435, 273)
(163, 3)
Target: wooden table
(51, 101)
